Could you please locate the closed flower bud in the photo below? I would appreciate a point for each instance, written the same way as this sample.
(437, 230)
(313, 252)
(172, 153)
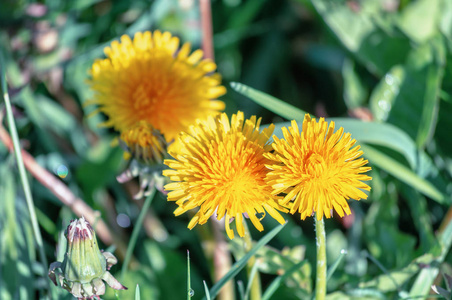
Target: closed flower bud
(84, 268)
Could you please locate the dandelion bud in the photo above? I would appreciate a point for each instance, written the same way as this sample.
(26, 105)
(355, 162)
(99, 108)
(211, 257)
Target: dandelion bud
(84, 268)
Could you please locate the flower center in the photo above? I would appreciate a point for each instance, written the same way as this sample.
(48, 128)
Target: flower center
(144, 97)
(315, 165)
(238, 184)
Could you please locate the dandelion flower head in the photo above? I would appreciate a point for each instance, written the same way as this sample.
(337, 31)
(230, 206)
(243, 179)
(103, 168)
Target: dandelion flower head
(220, 168)
(150, 79)
(317, 169)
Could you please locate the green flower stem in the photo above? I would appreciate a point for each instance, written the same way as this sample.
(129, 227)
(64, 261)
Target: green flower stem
(255, 291)
(320, 285)
(23, 175)
(136, 230)
(222, 262)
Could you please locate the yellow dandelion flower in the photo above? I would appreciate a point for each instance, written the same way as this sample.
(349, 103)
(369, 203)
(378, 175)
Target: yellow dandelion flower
(220, 167)
(317, 169)
(150, 79)
(144, 143)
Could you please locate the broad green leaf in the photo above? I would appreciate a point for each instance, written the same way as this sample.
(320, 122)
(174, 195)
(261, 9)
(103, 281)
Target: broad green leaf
(446, 17)
(442, 132)
(355, 92)
(245, 15)
(271, 103)
(409, 19)
(408, 95)
(421, 218)
(365, 33)
(240, 264)
(385, 93)
(17, 249)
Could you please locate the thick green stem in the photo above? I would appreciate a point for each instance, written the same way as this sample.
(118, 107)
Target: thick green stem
(255, 288)
(320, 285)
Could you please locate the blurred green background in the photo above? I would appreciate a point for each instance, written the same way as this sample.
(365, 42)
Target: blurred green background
(385, 61)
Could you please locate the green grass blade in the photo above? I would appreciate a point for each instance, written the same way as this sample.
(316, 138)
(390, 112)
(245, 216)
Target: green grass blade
(136, 230)
(382, 134)
(21, 167)
(206, 290)
(241, 290)
(335, 264)
(240, 264)
(404, 174)
(271, 103)
(424, 280)
(278, 280)
(253, 273)
(189, 290)
(137, 293)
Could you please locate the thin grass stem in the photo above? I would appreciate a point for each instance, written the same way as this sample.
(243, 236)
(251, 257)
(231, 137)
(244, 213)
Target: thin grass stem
(136, 231)
(255, 282)
(22, 173)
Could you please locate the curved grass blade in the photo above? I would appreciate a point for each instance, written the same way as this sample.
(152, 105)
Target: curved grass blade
(136, 230)
(253, 273)
(382, 134)
(21, 167)
(137, 293)
(271, 103)
(206, 290)
(335, 264)
(278, 280)
(424, 280)
(240, 264)
(402, 173)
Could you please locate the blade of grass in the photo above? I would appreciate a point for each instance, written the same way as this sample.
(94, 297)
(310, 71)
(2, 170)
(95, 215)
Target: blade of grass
(136, 231)
(278, 280)
(404, 174)
(241, 290)
(335, 264)
(206, 290)
(383, 269)
(424, 281)
(21, 167)
(271, 103)
(137, 293)
(240, 264)
(189, 290)
(252, 274)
